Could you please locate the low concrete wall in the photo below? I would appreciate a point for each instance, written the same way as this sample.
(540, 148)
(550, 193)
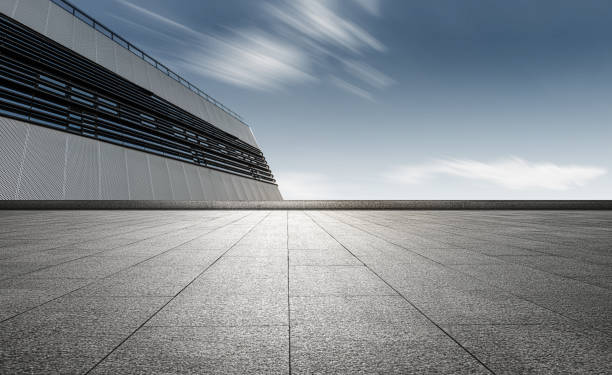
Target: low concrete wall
(306, 205)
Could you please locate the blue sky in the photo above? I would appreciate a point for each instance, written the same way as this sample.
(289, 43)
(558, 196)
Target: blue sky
(382, 99)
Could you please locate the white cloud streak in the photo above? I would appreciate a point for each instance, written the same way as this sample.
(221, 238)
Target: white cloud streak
(512, 173)
(352, 89)
(370, 6)
(317, 20)
(253, 59)
(161, 18)
(259, 60)
(367, 74)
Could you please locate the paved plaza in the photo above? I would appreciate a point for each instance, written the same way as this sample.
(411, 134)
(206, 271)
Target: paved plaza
(111, 292)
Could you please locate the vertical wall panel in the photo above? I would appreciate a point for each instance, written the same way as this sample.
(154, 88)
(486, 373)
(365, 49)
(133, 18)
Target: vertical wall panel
(188, 102)
(277, 194)
(213, 111)
(169, 92)
(84, 40)
(82, 180)
(138, 175)
(105, 52)
(252, 191)
(12, 144)
(7, 6)
(271, 192)
(33, 13)
(177, 179)
(185, 101)
(43, 167)
(196, 192)
(259, 195)
(139, 69)
(225, 119)
(124, 62)
(209, 112)
(231, 187)
(113, 172)
(202, 109)
(266, 192)
(160, 178)
(235, 181)
(59, 25)
(246, 188)
(219, 187)
(155, 80)
(206, 178)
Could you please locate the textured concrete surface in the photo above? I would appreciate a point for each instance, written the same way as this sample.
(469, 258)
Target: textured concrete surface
(111, 292)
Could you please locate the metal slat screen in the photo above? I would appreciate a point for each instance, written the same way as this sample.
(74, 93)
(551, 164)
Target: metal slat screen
(49, 85)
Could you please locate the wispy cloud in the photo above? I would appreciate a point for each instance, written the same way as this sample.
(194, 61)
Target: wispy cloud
(367, 74)
(159, 17)
(316, 19)
(257, 59)
(511, 173)
(252, 59)
(350, 88)
(370, 6)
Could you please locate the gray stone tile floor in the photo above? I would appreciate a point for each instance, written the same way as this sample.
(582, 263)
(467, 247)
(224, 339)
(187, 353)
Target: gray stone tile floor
(109, 292)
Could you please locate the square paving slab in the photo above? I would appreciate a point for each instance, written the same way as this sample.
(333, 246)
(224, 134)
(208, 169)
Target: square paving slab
(236, 291)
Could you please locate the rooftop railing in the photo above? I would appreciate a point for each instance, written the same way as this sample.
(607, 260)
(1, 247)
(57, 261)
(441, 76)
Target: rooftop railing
(138, 52)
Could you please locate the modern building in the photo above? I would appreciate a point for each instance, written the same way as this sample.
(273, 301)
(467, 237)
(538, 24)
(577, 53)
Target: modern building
(86, 115)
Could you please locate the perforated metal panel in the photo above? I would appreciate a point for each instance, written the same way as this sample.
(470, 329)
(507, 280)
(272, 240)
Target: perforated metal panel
(258, 192)
(139, 69)
(249, 188)
(33, 13)
(7, 6)
(209, 110)
(277, 194)
(242, 188)
(82, 179)
(203, 110)
(42, 174)
(138, 175)
(160, 178)
(124, 63)
(177, 179)
(12, 143)
(189, 100)
(215, 118)
(235, 184)
(59, 25)
(84, 41)
(219, 188)
(113, 172)
(193, 182)
(232, 188)
(65, 166)
(156, 82)
(176, 94)
(105, 52)
(265, 192)
(206, 177)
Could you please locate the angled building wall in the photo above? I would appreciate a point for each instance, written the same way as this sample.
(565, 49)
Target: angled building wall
(82, 117)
